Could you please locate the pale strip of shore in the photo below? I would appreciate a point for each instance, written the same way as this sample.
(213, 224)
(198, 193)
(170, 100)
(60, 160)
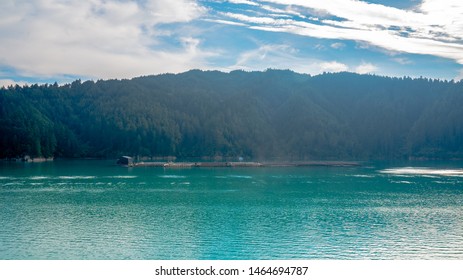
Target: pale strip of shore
(245, 164)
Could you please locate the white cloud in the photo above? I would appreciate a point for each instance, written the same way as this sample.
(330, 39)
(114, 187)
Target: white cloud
(447, 14)
(319, 47)
(267, 56)
(97, 38)
(288, 11)
(459, 77)
(167, 11)
(255, 20)
(337, 45)
(363, 12)
(247, 2)
(227, 22)
(434, 28)
(333, 66)
(366, 68)
(126, 38)
(9, 82)
(402, 60)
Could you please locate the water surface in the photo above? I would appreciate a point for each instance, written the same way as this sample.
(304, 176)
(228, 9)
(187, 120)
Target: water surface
(96, 210)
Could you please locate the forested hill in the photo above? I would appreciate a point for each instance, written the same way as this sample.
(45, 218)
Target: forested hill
(256, 115)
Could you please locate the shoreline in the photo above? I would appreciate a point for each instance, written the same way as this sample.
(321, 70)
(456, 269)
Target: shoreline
(244, 164)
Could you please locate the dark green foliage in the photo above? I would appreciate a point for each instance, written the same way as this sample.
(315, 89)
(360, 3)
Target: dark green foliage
(259, 115)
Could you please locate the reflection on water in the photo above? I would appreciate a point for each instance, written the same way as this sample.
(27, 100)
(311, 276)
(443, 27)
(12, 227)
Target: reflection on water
(82, 210)
(423, 171)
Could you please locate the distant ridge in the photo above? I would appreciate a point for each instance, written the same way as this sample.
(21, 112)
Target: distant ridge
(276, 114)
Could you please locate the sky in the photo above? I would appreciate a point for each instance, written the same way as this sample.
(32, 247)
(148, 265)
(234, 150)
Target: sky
(47, 41)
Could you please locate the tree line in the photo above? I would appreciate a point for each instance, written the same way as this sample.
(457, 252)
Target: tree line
(275, 114)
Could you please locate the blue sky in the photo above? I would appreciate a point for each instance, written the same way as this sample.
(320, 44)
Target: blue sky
(44, 41)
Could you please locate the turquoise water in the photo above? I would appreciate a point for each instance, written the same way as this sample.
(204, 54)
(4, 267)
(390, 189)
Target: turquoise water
(96, 210)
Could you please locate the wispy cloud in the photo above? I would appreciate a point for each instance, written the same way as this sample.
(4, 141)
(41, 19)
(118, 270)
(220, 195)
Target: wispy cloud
(267, 56)
(402, 60)
(283, 56)
(102, 39)
(366, 68)
(247, 2)
(337, 45)
(227, 22)
(333, 66)
(460, 75)
(9, 82)
(434, 28)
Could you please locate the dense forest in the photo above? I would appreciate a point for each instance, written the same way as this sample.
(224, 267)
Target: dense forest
(256, 115)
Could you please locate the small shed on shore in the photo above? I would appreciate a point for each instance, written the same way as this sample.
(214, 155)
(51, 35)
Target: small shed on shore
(125, 160)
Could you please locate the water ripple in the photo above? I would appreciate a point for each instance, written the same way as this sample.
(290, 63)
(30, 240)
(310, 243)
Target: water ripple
(275, 215)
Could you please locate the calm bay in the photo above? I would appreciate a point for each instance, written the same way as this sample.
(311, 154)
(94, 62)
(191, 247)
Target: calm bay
(97, 210)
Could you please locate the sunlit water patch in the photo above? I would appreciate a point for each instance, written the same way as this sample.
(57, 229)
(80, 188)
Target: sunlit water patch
(121, 177)
(38, 178)
(240, 176)
(422, 171)
(172, 176)
(76, 177)
(363, 176)
(401, 182)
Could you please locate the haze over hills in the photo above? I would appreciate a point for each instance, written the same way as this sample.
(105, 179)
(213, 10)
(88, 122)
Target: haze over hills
(274, 114)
